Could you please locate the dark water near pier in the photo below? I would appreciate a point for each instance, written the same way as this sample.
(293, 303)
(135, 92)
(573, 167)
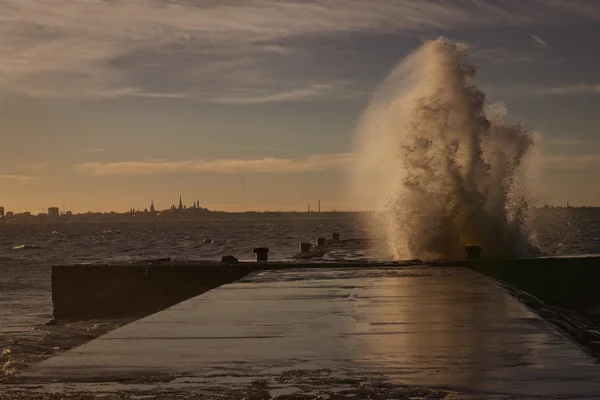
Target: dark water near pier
(28, 250)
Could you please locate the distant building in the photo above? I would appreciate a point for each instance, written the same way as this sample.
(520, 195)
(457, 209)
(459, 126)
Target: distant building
(10, 214)
(1, 212)
(53, 212)
(152, 206)
(180, 203)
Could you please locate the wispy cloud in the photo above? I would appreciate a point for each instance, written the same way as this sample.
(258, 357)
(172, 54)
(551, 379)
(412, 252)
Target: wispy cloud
(314, 91)
(37, 167)
(501, 55)
(540, 42)
(15, 177)
(213, 50)
(255, 148)
(324, 162)
(575, 89)
(566, 142)
(579, 162)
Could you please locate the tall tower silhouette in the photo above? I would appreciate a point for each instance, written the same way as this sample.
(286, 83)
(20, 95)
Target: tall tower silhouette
(180, 203)
(152, 206)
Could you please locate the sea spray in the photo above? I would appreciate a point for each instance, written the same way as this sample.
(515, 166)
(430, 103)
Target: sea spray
(441, 169)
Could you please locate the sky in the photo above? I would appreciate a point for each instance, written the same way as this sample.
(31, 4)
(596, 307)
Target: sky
(253, 104)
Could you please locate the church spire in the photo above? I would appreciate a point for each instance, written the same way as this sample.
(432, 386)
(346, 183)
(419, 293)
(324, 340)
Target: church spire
(180, 203)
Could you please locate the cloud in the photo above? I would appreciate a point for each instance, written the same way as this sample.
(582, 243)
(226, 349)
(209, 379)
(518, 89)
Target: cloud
(255, 148)
(322, 162)
(14, 177)
(231, 51)
(578, 9)
(577, 162)
(315, 91)
(540, 42)
(575, 89)
(37, 167)
(502, 55)
(567, 142)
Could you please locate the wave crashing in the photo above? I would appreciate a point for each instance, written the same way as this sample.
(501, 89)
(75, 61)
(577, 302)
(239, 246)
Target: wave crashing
(442, 169)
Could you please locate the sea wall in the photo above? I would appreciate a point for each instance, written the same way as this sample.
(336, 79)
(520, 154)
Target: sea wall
(115, 291)
(573, 283)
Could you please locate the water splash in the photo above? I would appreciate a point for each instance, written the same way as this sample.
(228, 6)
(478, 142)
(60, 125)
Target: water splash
(441, 169)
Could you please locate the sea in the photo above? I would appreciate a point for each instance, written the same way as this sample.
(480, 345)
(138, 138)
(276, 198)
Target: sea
(28, 250)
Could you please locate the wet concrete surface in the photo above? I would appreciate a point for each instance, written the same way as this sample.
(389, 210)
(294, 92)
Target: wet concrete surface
(415, 332)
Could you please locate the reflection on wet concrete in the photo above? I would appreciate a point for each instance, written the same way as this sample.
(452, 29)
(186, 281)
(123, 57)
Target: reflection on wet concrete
(448, 333)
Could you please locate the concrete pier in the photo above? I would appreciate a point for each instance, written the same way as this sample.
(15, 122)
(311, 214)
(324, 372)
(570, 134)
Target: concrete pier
(381, 332)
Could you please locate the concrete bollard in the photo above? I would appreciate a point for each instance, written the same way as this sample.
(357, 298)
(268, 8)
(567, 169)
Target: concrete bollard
(321, 241)
(305, 247)
(336, 236)
(473, 251)
(262, 253)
